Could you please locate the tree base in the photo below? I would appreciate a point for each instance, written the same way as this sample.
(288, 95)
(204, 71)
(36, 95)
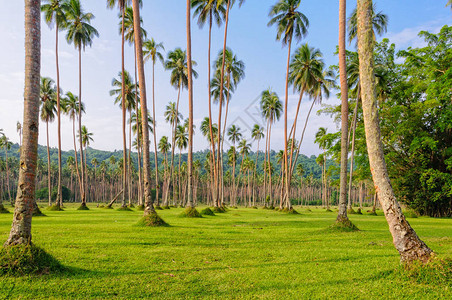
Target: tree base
(20, 260)
(83, 207)
(140, 207)
(359, 212)
(108, 207)
(152, 220)
(166, 207)
(55, 208)
(190, 212)
(290, 211)
(131, 205)
(37, 212)
(3, 210)
(351, 211)
(207, 212)
(158, 207)
(328, 210)
(435, 271)
(219, 210)
(124, 208)
(344, 225)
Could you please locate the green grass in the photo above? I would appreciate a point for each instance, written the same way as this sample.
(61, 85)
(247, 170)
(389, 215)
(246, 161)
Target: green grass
(244, 253)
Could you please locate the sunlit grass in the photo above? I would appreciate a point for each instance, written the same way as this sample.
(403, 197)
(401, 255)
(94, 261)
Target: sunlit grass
(243, 253)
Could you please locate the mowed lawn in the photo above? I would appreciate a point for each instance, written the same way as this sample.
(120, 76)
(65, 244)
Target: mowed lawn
(244, 253)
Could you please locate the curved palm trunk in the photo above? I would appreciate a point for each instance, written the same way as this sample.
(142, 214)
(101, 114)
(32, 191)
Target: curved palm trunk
(342, 214)
(59, 198)
(75, 155)
(190, 202)
(254, 173)
(156, 161)
(269, 164)
(123, 106)
(149, 206)
(265, 163)
(173, 148)
(219, 163)
(21, 227)
(222, 140)
(212, 142)
(82, 181)
(286, 109)
(48, 166)
(405, 239)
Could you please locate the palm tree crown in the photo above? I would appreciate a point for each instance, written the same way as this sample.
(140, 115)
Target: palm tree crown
(79, 30)
(290, 22)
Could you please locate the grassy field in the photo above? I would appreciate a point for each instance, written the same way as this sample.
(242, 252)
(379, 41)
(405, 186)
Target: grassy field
(244, 253)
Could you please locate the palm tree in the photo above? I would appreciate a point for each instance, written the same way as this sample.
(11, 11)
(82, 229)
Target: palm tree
(305, 70)
(81, 34)
(257, 133)
(324, 143)
(379, 24)
(19, 130)
(20, 233)
(86, 137)
(212, 10)
(244, 149)
(70, 106)
(181, 143)
(164, 146)
(291, 24)
(48, 109)
(271, 108)
(405, 239)
(54, 13)
(151, 51)
(151, 217)
(342, 213)
(229, 4)
(6, 144)
(234, 136)
(124, 88)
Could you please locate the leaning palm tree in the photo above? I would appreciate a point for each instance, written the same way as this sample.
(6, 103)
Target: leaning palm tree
(409, 245)
(150, 216)
(257, 133)
(48, 110)
(54, 14)
(214, 11)
(20, 233)
(291, 25)
(151, 51)
(271, 108)
(81, 34)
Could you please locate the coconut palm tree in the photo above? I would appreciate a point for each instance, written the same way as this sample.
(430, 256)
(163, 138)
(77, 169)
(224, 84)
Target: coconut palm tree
(6, 145)
(151, 51)
(86, 137)
(324, 143)
(379, 23)
(164, 146)
(19, 130)
(257, 133)
(151, 217)
(20, 233)
(234, 136)
(70, 105)
(124, 87)
(271, 108)
(409, 245)
(291, 25)
(48, 110)
(81, 34)
(54, 14)
(214, 11)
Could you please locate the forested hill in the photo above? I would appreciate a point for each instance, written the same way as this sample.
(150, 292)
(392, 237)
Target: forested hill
(309, 163)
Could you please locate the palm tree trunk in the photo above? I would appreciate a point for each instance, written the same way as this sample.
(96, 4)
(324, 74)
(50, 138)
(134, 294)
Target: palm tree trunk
(222, 140)
(405, 239)
(82, 182)
(212, 143)
(149, 207)
(286, 110)
(156, 161)
(221, 96)
(123, 105)
(130, 158)
(21, 227)
(342, 214)
(353, 152)
(254, 173)
(75, 156)
(59, 198)
(48, 166)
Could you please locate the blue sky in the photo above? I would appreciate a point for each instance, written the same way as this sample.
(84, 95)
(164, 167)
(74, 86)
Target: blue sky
(249, 37)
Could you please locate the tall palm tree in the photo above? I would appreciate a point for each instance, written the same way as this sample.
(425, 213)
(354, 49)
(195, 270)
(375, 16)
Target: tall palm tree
(257, 133)
(305, 70)
(54, 13)
(6, 144)
(214, 11)
(122, 4)
(81, 34)
(164, 146)
(229, 4)
(149, 211)
(20, 233)
(271, 108)
(291, 24)
(86, 137)
(405, 239)
(70, 105)
(19, 130)
(321, 138)
(234, 136)
(48, 110)
(124, 87)
(342, 213)
(181, 143)
(151, 51)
